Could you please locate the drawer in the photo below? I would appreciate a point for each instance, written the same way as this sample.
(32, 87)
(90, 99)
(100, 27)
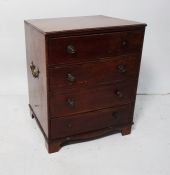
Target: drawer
(84, 100)
(94, 73)
(89, 47)
(63, 127)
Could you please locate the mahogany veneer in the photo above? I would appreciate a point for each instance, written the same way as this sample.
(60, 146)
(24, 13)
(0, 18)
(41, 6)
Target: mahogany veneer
(82, 76)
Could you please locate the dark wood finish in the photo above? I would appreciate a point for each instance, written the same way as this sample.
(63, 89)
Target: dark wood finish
(92, 47)
(86, 100)
(62, 127)
(98, 73)
(36, 54)
(82, 76)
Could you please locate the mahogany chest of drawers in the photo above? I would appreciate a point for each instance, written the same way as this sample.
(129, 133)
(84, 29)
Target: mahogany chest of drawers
(82, 76)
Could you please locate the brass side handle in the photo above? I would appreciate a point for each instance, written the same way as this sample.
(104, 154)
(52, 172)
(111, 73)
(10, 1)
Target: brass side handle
(71, 49)
(34, 70)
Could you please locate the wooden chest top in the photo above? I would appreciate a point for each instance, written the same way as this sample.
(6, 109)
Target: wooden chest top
(88, 23)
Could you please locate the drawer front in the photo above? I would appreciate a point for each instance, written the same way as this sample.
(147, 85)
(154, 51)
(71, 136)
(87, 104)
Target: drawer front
(89, 47)
(94, 73)
(63, 127)
(84, 100)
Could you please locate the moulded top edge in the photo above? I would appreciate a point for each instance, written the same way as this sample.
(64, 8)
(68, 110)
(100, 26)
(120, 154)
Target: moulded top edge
(68, 24)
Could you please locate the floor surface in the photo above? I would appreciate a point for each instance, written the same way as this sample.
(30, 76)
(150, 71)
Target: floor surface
(145, 152)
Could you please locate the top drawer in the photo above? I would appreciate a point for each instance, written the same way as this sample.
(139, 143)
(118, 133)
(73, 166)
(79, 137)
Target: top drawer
(89, 47)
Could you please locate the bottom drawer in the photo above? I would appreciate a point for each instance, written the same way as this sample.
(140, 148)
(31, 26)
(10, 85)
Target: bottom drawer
(63, 127)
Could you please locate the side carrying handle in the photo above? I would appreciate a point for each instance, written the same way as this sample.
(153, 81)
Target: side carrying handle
(35, 71)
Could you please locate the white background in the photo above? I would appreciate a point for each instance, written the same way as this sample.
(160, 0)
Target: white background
(155, 68)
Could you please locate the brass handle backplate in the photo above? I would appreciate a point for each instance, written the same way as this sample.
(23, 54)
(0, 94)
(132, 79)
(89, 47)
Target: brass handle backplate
(69, 125)
(119, 93)
(122, 68)
(114, 114)
(70, 102)
(71, 49)
(34, 70)
(124, 43)
(71, 78)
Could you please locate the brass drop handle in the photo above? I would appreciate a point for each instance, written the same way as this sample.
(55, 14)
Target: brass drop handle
(119, 93)
(35, 71)
(69, 125)
(114, 114)
(70, 102)
(71, 49)
(124, 43)
(71, 78)
(122, 68)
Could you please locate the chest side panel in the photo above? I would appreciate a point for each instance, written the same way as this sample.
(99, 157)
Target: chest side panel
(37, 78)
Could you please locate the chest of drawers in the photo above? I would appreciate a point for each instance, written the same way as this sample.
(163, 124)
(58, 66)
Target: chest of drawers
(82, 76)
